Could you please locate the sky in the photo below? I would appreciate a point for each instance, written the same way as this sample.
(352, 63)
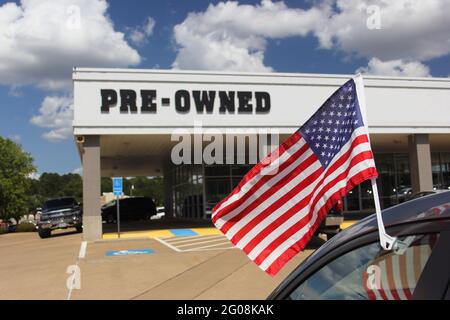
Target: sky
(42, 40)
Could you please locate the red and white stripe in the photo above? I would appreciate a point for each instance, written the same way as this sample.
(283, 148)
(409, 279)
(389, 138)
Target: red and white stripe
(399, 274)
(275, 210)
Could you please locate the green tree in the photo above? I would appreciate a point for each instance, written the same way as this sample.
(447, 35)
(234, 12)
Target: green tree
(152, 187)
(50, 185)
(53, 185)
(72, 186)
(106, 185)
(15, 167)
(34, 197)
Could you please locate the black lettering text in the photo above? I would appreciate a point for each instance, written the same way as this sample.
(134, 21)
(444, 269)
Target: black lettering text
(128, 101)
(182, 101)
(109, 99)
(262, 102)
(148, 101)
(204, 99)
(244, 102)
(226, 101)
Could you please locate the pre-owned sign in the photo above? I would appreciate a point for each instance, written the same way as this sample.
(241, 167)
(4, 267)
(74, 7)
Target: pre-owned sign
(202, 101)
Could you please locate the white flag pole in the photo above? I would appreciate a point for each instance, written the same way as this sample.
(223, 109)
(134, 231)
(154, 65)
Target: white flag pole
(387, 242)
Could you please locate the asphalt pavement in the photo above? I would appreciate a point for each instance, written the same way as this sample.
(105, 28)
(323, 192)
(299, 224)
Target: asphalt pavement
(202, 266)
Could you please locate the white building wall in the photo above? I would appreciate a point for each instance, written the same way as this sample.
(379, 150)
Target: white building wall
(394, 105)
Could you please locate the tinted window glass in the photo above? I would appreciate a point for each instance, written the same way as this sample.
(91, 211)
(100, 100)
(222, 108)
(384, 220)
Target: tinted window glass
(56, 203)
(370, 273)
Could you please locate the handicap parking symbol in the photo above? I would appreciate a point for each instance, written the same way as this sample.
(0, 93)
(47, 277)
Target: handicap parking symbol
(114, 253)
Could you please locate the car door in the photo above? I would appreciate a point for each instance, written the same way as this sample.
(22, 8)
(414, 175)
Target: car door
(360, 269)
(124, 208)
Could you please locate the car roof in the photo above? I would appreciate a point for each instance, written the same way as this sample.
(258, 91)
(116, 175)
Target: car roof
(61, 198)
(435, 206)
(434, 191)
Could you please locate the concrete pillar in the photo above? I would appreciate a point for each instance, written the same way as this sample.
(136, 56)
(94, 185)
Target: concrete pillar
(420, 162)
(168, 200)
(92, 219)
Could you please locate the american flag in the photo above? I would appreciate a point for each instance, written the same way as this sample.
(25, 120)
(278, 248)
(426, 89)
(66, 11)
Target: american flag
(274, 211)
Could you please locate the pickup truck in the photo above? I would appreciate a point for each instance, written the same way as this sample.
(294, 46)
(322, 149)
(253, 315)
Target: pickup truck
(59, 213)
(331, 225)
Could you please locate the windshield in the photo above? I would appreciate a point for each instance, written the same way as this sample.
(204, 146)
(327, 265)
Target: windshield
(58, 203)
(110, 204)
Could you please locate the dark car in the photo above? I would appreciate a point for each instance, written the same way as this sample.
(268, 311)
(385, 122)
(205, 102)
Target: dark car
(59, 213)
(135, 208)
(353, 265)
(421, 194)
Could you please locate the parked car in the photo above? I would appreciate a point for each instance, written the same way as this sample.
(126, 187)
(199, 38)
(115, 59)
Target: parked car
(134, 208)
(160, 213)
(59, 213)
(353, 265)
(425, 193)
(331, 225)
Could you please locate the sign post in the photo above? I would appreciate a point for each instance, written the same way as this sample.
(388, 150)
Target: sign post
(117, 189)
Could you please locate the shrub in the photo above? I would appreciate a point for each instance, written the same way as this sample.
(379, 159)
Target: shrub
(3, 230)
(26, 227)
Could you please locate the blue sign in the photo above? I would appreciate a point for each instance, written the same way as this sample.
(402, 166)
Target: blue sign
(114, 253)
(117, 186)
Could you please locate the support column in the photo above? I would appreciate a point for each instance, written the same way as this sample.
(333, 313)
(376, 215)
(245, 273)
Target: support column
(420, 162)
(92, 219)
(168, 200)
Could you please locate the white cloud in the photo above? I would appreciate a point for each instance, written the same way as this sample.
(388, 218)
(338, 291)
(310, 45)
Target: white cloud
(140, 34)
(15, 137)
(78, 170)
(229, 36)
(56, 114)
(396, 68)
(410, 29)
(149, 26)
(34, 176)
(42, 40)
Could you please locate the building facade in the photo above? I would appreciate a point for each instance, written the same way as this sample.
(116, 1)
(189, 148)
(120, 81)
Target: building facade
(203, 131)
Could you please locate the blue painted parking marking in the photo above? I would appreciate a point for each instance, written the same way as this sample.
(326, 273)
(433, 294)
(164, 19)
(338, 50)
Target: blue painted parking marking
(114, 253)
(183, 232)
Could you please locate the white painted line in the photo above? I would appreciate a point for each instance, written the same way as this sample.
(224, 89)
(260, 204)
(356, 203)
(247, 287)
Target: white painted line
(167, 244)
(209, 249)
(83, 247)
(202, 242)
(81, 255)
(210, 246)
(195, 240)
(183, 238)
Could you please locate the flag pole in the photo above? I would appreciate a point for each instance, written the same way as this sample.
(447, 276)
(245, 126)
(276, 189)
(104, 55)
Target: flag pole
(387, 242)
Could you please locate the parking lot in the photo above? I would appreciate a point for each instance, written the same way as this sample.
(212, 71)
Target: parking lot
(201, 266)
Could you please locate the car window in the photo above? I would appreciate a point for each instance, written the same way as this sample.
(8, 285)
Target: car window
(58, 203)
(370, 273)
